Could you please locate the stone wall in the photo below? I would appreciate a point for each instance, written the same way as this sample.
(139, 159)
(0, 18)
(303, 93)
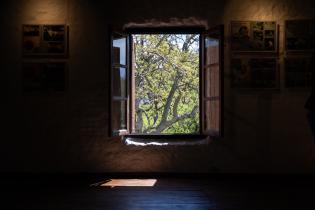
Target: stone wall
(265, 132)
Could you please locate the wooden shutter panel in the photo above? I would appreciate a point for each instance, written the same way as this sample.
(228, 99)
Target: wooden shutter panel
(212, 82)
(120, 77)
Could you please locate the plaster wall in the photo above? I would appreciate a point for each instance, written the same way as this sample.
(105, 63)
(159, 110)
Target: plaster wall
(265, 132)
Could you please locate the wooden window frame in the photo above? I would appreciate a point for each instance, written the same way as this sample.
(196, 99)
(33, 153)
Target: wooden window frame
(130, 118)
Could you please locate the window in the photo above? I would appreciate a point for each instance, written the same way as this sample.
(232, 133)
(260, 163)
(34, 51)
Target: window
(166, 72)
(166, 81)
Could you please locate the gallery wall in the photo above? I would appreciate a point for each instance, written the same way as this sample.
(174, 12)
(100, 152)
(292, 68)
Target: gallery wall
(265, 131)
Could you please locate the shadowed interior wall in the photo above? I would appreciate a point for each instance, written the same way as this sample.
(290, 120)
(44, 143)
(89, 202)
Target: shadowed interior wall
(265, 132)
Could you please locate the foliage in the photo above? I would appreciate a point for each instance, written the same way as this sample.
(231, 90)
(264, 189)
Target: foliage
(167, 83)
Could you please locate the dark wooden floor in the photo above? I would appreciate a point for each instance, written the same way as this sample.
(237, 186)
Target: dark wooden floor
(169, 193)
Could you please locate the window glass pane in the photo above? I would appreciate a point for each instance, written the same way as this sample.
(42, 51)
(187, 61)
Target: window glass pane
(212, 67)
(212, 71)
(207, 80)
(119, 51)
(119, 115)
(212, 82)
(119, 82)
(212, 115)
(211, 51)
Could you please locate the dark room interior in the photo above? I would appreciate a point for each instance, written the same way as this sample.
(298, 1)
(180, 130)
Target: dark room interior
(90, 119)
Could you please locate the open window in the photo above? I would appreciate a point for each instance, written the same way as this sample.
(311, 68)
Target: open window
(166, 82)
(120, 73)
(212, 82)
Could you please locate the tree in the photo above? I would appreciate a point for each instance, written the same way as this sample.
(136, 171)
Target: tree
(167, 83)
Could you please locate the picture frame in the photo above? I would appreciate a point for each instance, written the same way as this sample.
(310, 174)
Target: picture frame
(298, 72)
(254, 36)
(299, 35)
(44, 40)
(255, 73)
(44, 76)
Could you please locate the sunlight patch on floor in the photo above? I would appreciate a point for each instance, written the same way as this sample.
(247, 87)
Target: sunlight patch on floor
(129, 183)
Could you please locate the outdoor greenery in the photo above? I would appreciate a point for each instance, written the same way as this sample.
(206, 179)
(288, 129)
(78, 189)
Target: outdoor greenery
(167, 83)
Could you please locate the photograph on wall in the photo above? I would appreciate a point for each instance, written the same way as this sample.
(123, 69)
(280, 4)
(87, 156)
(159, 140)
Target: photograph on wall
(263, 73)
(240, 35)
(54, 36)
(54, 33)
(254, 73)
(300, 35)
(257, 31)
(41, 76)
(44, 40)
(253, 36)
(297, 72)
(31, 39)
(240, 73)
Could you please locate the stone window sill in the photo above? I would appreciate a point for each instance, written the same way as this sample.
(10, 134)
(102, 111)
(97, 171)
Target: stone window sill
(166, 140)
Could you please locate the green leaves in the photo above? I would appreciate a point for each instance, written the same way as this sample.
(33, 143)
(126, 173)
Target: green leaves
(167, 83)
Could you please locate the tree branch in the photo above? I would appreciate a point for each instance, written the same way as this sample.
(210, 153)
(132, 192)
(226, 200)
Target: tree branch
(189, 40)
(175, 106)
(139, 122)
(169, 98)
(166, 124)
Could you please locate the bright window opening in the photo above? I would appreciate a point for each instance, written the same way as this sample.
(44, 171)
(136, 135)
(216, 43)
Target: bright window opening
(166, 83)
(166, 72)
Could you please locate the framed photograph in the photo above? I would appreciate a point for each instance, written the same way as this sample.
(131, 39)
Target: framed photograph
(44, 76)
(299, 35)
(31, 38)
(298, 72)
(45, 40)
(254, 36)
(255, 73)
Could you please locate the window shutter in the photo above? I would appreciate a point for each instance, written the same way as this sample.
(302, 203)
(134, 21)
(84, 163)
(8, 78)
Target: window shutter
(212, 82)
(119, 89)
(132, 86)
